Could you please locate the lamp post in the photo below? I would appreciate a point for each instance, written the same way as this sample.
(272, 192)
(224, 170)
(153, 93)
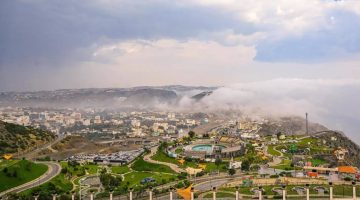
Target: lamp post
(260, 193)
(354, 190)
(214, 193)
(192, 193)
(111, 194)
(130, 194)
(54, 196)
(237, 193)
(73, 195)
(284, 192)
(36, 196)
(171, 193)
(92, 196)
(307, 192)
(150, 193)
(331, 190)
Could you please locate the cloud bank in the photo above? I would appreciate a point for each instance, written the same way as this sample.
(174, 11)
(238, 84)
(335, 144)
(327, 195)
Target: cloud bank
(333, 103)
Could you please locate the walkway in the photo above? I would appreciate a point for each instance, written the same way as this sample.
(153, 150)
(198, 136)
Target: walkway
(148, 158)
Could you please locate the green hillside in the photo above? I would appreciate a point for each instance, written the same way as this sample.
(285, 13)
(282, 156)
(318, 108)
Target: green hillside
(14, 173)
(15, 138)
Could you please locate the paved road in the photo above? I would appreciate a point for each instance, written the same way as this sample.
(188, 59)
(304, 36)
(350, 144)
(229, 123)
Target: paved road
(33, 153)
(53, 170)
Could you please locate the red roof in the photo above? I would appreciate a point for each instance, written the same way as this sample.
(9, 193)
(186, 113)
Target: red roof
(347, 169)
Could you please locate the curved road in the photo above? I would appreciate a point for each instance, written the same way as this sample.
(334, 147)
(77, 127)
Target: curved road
(53, 170)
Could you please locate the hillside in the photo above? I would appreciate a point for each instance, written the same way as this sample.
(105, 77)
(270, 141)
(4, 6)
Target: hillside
(16, 138)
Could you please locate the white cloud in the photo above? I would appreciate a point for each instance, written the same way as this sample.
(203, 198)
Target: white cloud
(168, 52)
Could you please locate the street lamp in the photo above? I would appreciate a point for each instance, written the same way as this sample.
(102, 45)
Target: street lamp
(130, 193)
(192, 193)
(284, 192)
(150, 193)
(307, 192)
(237, 193)
(354, 190)
(214, 193)
(331, 190)
(260, 193)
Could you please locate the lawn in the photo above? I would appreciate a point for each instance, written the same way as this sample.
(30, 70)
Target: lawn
(306, 141)
(91, 168)
(162, 157)
(272, 151)
(223, 167)
(134, 178)
(141, 165)
(60, 184)
(179, 150)
(120, 169)
(286, 165)
(17, 173)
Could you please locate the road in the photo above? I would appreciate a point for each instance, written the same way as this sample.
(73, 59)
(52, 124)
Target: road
(53, 170)
(32, 154)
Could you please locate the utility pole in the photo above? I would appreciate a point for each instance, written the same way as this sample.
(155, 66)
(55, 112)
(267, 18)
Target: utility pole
(307, 124)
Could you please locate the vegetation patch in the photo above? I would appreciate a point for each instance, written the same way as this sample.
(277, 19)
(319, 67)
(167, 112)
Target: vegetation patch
(20, 172)
(141, 165)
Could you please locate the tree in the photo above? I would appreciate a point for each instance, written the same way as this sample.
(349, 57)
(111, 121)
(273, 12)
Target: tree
(232, 171)
(218, 162)
(245, 165)
(191, 134)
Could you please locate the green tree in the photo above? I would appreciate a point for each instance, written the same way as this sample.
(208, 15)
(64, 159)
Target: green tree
(191, 134)
(218, 162)
(231, 171)
(245, 165)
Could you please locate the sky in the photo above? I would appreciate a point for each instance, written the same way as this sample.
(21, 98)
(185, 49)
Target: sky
(57, 44)
(285, 56)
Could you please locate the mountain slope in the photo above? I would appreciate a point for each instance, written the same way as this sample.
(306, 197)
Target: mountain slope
(16, 138)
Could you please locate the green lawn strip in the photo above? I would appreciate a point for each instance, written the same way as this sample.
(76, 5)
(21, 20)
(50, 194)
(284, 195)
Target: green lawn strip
(272, 151)
(133, 178)
(120, 169)
(61, 184)
(179, 150)
(162, 157)
(223, 167)
(91, 168)
(7, 163)
(19, 173)
(306, 141)
(141, 165)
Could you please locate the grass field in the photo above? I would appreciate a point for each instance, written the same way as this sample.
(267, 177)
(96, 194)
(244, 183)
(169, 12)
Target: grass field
(14, 173)
(272, 151)
(60, 184)
(141, 165)
(223, 167)
(134, 178)
(120, 169)
(162, 157)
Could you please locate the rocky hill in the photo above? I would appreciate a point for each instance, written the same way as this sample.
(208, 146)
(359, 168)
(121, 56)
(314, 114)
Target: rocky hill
(15, 138)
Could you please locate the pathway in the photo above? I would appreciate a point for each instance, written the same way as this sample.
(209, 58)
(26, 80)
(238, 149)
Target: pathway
(148, 158)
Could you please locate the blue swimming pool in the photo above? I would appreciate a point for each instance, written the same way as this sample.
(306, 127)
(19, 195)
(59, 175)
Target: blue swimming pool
(205, 147)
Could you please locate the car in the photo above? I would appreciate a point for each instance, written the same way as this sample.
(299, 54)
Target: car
(148, 180)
